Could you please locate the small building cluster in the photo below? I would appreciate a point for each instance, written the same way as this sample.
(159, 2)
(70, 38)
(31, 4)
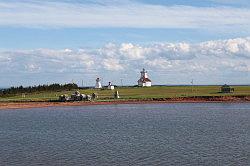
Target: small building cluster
(98, 85)
(144, 81)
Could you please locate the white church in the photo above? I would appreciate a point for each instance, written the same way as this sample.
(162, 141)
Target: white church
(144, 81)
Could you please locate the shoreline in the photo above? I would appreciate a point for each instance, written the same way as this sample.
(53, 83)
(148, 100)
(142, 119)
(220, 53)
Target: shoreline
(200, 99)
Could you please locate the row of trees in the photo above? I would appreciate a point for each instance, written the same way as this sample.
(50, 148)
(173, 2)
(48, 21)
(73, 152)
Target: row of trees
(39, 88)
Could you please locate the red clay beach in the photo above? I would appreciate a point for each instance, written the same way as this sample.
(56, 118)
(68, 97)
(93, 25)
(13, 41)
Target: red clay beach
(205, 99)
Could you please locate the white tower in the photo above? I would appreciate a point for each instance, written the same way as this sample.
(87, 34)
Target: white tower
(98, 84)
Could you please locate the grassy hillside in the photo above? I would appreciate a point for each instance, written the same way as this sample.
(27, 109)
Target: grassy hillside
(137, 93)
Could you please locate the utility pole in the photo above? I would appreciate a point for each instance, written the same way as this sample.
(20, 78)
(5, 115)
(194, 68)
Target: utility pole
(192, 83)
(121, 82)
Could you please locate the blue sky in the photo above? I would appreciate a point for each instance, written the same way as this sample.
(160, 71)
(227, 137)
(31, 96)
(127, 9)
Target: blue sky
(73, 36)
(113, 38)
(31, 38)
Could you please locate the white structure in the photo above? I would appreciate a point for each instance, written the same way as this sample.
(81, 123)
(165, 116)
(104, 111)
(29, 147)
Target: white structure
(110, 86)
(144, 81)
(116, 95)
(98, 84)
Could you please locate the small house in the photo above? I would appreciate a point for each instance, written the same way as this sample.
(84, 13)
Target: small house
(227, 89)
(110, 86)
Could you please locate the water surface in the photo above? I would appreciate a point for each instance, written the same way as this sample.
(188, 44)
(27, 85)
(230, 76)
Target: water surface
(148, 134)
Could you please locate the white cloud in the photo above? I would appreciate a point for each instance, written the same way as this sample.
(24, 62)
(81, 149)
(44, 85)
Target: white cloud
(232, 2)
(117, 14)
(213, 58)
(112, 64)
(32, 67)
(232, 47)
(133, 52)
(160, 63)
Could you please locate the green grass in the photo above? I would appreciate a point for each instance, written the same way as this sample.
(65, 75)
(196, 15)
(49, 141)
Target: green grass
(138, 93)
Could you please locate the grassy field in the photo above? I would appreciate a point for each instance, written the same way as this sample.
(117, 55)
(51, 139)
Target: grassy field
(137, 93)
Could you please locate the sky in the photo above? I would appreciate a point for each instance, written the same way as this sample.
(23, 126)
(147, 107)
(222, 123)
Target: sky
(176, 41)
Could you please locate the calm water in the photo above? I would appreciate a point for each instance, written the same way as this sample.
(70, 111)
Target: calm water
(153, 134)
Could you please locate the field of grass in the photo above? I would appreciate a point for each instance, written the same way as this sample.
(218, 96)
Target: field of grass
(137, 93)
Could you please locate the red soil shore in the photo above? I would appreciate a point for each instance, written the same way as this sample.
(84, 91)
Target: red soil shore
(206, 99)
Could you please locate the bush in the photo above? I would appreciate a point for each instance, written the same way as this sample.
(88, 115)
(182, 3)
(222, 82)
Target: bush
(39, 88)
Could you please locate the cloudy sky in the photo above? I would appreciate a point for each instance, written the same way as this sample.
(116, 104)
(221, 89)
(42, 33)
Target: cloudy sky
(48, 41)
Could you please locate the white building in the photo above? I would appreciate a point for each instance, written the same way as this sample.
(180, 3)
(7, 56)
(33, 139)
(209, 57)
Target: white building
(98, 84)
(110, 86)
(144, 81)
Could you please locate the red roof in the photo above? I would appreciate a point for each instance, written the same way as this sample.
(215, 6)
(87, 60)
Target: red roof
(144, 80)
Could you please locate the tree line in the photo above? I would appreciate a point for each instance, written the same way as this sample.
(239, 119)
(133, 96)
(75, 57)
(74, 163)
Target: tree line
(39, 88)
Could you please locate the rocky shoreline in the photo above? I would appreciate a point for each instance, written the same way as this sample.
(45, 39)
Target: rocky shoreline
(200, 99)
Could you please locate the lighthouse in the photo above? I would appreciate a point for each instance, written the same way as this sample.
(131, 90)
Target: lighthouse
(110, 86)
(144, 81)
(98, 84)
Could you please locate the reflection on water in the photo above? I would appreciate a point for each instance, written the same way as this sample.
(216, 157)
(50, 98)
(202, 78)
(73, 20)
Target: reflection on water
(151, 134)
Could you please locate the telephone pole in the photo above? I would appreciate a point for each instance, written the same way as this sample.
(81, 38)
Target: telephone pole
(192, 82)
(121, 82)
